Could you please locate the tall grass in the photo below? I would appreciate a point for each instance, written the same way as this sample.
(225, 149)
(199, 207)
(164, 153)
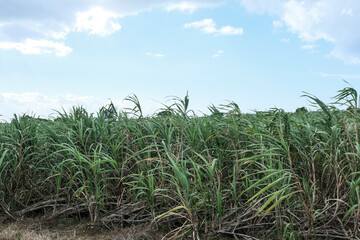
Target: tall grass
(266, 175)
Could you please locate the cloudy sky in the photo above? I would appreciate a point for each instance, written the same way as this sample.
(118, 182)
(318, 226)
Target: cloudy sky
(258, 53)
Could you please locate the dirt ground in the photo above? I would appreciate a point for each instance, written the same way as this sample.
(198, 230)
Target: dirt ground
(70, 229)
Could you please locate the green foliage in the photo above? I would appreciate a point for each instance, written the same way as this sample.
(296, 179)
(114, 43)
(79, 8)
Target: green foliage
(295, 175)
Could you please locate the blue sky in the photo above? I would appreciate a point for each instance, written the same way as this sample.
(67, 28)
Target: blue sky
(259, 53)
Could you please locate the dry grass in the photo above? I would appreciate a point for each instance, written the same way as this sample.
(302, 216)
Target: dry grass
(29, 230)
(14, 231)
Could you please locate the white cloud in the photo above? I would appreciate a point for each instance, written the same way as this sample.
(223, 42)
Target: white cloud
(155, 54)
(308, 47)
(285, 40)
(41, 104)
(344, 56)
(313, 20)
(97, 21)
(277, 24)
(217, 54)
(30, 98)
(209, 26)
(190, 6)
(37, 20)
(306, 19)
(42, 46)
(342, 76)
(229, 30)
(183, 6)
(59, 35)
